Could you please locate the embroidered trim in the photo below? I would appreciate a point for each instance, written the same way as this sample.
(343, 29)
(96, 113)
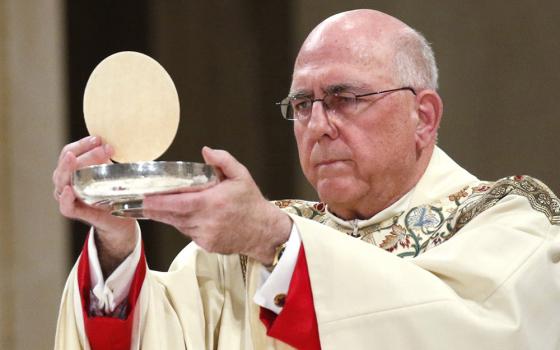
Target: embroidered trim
(539, 196)
(407, 234)
(243, 261)
(421, 228)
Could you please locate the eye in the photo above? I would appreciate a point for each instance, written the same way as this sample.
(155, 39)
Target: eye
(301, 104)
(343, 99)
(342, 102)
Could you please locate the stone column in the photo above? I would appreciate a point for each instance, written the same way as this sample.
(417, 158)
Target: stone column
(33, 239)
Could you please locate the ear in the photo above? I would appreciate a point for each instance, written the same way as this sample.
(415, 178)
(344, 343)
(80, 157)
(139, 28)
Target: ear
(430, 109)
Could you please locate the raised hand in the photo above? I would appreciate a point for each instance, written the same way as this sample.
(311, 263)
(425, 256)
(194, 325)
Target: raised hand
(230, 217)
(115, 236)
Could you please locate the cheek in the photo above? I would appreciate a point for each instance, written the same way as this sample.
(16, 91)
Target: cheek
(304, 152)
(298, 133)
(382, 143)
(303, 148)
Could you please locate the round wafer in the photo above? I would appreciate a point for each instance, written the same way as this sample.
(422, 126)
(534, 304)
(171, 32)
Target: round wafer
(131, 102)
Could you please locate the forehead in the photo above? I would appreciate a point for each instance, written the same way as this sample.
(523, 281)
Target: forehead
(323, 71)
(354, 46)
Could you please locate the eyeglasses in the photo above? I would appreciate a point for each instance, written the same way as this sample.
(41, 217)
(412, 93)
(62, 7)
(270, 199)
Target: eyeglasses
(340, 103)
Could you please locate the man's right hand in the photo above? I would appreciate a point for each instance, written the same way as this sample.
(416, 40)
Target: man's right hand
(115, 237)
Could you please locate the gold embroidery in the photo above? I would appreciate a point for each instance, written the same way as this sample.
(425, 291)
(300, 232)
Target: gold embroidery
(243, 261)
(424, 227)
(539, 196)
(411, 233)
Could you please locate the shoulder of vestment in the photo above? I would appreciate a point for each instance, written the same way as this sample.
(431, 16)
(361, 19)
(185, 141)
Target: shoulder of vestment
(422, 227)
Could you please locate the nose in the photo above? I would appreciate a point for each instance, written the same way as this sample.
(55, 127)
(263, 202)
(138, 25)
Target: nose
(320, 121)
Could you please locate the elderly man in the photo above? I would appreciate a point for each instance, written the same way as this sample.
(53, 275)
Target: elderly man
(405, 250)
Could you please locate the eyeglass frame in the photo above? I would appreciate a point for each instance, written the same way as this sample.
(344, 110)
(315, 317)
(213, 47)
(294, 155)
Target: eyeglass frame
(286, 101)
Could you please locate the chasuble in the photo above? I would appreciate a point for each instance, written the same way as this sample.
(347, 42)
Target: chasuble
(467, 264)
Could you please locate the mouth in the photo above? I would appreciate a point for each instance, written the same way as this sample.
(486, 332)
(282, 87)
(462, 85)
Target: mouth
(330, 162)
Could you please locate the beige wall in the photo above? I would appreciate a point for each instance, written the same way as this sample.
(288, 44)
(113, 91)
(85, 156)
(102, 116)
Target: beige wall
(6, 290)
(33, 245)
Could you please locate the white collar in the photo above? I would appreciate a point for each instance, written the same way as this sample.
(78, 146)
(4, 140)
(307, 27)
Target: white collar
(394, 209)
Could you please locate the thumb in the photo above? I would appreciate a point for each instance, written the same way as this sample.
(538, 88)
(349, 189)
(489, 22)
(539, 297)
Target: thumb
(225, 162)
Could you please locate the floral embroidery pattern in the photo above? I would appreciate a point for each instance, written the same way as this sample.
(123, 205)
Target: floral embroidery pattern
(458, 195)
(407, 234)
(421, 228)
(397, 236)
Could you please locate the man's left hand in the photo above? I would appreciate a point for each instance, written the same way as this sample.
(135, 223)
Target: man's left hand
(231, 217)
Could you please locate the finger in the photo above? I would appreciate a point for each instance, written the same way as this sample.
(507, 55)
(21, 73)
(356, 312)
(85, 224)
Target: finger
(73, 208)
(69, 163)
(62, 173)
(225, 162)
(178, 203)
(81, 146)
(99, 155)
(68, 203)
(56, 194)
(180, 222)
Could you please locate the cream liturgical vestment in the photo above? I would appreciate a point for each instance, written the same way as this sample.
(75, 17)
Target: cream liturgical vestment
(468, 265)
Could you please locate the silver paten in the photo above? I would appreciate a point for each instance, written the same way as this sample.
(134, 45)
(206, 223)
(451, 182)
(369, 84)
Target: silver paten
(122, 187)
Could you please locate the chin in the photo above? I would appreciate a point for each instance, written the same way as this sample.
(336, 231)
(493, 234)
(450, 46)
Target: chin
(337, 190)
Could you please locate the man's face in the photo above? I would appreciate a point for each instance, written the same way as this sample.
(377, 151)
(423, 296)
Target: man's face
(353, 159)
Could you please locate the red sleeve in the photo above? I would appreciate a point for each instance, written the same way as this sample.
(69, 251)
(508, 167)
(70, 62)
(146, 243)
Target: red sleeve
(296, 325)
(108, 332)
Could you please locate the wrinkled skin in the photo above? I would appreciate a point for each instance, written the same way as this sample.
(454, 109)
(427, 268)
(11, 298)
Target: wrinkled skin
(361, 164)
(230, 217)
(116, 234)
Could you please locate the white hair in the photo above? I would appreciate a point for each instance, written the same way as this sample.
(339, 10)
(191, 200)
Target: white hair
(414, 61)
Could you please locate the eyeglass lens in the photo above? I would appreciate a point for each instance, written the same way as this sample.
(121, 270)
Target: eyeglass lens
(340, 104)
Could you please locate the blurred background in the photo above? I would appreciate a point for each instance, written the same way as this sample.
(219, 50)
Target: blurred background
(231, 60)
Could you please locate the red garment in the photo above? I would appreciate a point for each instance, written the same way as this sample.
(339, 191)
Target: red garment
(109, 332)
(296, 325)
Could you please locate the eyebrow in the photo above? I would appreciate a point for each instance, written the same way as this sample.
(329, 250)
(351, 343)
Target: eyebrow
(300, 94)
(331, 89)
